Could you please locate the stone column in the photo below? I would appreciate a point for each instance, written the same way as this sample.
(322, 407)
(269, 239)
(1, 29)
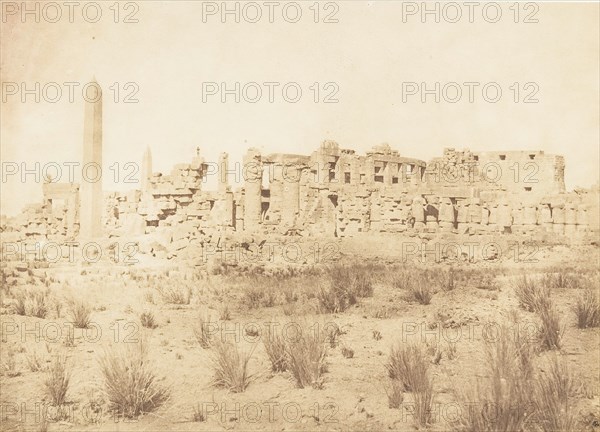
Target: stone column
(446, 215)
(277, 193)
(223, 171)
(570, 219)
(530, 219)
(418, 212)
(558, 218)
(252, 172)
(582, 218)
(291, 194)
(476, 213)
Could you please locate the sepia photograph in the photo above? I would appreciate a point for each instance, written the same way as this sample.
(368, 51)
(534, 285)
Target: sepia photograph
(303, 215)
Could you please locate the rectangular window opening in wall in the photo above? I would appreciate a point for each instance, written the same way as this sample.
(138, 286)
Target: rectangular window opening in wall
(532, 156)
(378, 179)
(528, 189)
(502, 157)
(347, 177)
(362, 179)
(476, 158)
(394, 180)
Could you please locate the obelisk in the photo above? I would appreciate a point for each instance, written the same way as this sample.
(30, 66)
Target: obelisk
(92, 200)
(146, 169)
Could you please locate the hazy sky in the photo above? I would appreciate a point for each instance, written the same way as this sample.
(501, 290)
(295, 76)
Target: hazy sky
(368, 54)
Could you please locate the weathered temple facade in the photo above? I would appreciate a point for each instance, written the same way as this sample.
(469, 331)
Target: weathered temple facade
(336, 192)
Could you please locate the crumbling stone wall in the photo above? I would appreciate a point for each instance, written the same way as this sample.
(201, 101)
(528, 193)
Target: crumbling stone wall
(335, 191)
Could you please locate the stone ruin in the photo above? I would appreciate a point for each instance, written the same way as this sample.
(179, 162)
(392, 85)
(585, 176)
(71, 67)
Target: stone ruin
(332, 192)
(336, 192)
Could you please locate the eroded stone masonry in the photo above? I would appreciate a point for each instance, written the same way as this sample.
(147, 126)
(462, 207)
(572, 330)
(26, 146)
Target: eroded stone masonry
(334, 192)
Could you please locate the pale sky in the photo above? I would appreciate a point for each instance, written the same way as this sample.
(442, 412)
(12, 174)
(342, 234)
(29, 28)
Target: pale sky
(369, 53)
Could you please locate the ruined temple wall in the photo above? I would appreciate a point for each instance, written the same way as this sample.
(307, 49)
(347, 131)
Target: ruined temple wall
(529, 174)
(337, 192)
(522, 172)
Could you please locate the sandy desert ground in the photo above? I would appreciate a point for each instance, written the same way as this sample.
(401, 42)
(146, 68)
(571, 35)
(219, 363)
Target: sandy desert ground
(362, 337)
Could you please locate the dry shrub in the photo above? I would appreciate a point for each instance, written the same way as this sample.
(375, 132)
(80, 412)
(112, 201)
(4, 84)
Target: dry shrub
(423, 397)
(333, 298)
(230, 366)
(561, 278)
(504, 402)
(203, 330)
(131, 385)
(57, 380)
(550, 331)
(587, 309)
(344, 286)
(18, 304)
(147, 320)
(33, 361)
(38, 303)
(30, 302)
(552, 393)
(9, 364)
(80, 312)
(275, 346)
(417, 283)
(174, 294)
(531, 296)
(395, 393)
(448, 280)
(306, 354)
(408, 364)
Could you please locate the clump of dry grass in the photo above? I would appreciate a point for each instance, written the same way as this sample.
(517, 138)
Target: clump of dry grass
(147, 320)
(30, 302)
(9, 364)
(395, 393)
(561, 278)
(306, 354)
(587, 309)
(409, 365)
(531, 296)
(80, 313)
(202, 330)
(506, 390)
(131, 386)
(418, 285)
(552, 392)
(174, 293)
(33, 361)
(550, 331)
(230, 366)
(275, 346)
(448, 280)
(334, 298)
(344, 285)
(38, 303)
(18, 304)
(57, 380)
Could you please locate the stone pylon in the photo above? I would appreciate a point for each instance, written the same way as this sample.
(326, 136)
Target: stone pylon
(92, 201)
(146, 169)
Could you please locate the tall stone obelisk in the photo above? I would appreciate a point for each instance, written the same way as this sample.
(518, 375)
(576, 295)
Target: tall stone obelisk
(146, 169)
(92, 200)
